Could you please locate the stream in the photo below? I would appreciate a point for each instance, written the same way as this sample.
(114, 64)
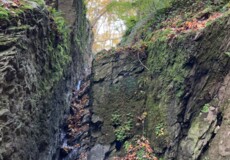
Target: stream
(75, 135)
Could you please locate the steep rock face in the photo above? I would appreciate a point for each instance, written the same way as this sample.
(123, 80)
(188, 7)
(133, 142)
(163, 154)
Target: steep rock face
(118, 99)
(74, 12)
(38, 65)
(183, 87)
(208, 81)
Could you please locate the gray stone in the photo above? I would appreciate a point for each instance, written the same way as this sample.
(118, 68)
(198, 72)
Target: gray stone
(86, 119)
(96, 119)
(96, 134)
(98, 152)
(4, 114)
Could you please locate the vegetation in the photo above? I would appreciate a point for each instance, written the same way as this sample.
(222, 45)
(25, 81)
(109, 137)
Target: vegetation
(116, 119)
(58, 49)
(132, 11)
(16, 7)
(205, 108)
(227, 53)
(139, 148)
(159, 129)
(110, 18)
(122, 132)
(122, 129)
(166, 35)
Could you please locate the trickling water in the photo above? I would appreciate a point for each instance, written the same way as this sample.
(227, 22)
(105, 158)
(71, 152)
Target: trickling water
(75, 138)
(78, 85)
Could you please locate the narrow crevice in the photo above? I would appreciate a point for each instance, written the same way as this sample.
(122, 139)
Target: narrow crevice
(206, 147)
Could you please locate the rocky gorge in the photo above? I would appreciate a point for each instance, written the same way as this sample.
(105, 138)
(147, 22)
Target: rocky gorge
(166, 86)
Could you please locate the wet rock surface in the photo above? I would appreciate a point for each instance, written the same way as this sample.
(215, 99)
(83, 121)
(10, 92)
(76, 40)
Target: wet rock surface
(76, 140)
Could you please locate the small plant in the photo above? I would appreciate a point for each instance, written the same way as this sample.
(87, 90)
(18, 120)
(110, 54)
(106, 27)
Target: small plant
(159, 129)
(122, 129)
(3, 12)
(139, 149)
(140, 154)
(15, 8)
(122, 132)
(116, 119)
(205, 108)
(127, 144)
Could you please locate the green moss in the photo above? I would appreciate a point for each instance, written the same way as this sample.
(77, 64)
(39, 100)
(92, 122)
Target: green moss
(162, 35)
(205, 108)
(165, 81)
(5, 13)
(58, 51)
(7, 41)
(40, 2)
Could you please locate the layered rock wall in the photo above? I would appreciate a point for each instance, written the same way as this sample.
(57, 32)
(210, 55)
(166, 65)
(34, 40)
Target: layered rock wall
(40, 63)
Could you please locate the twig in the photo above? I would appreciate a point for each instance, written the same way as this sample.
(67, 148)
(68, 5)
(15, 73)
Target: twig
(141, 62)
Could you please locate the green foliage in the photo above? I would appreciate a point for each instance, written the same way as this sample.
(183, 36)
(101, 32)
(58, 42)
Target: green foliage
(59, 20)
(162, 35)
(58, 50)
(121, 132)
(127, 145)
(140, 154)
(159, 129)
(139, 8)
(40, 2)
(205, 108)
(4, 13)
(122, 129)
(130, 23)
(15, 11)
(145, 7)
(116, 119)
(139, 148)
(132, 11)
(228, 54)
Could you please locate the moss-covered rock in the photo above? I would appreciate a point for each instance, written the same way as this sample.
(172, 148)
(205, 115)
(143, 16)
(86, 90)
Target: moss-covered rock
(37, 76)
(183, 71)
(117, 95)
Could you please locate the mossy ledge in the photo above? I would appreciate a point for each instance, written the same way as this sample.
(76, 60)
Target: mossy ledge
(37, 76)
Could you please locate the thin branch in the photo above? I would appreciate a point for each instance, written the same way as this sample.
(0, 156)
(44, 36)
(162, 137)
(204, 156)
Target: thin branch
(141, 62)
